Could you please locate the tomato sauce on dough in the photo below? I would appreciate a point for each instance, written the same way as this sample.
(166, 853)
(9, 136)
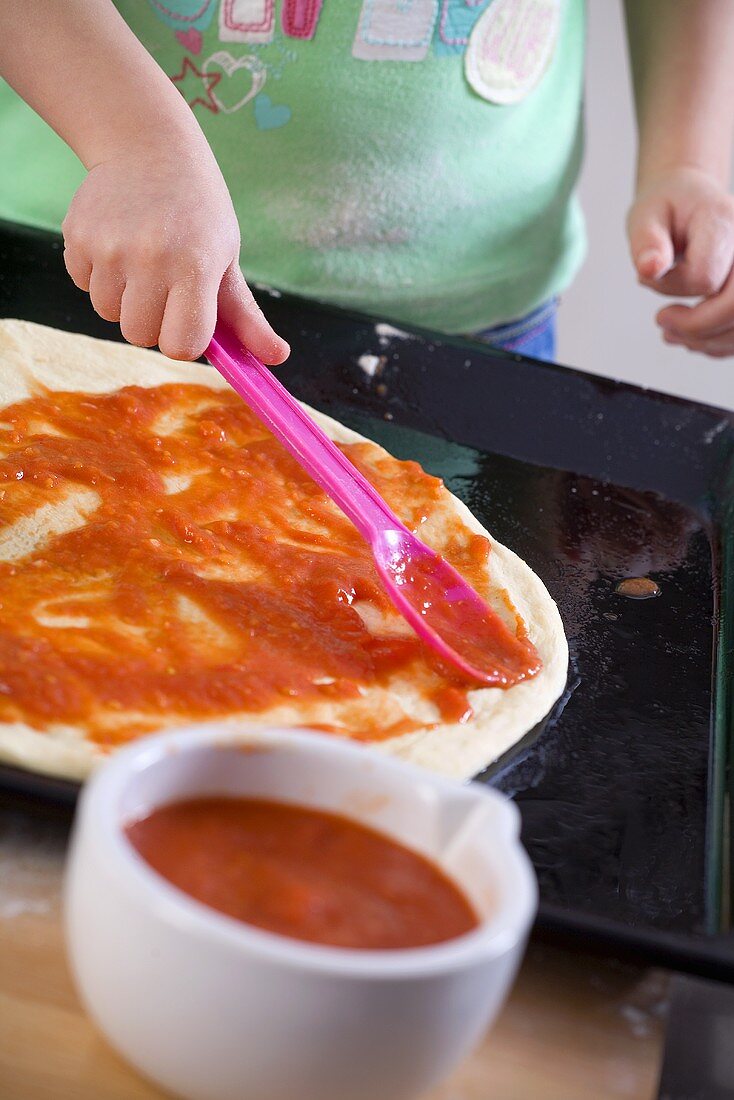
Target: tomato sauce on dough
(163, 559)
(489, 646)
(302, 873)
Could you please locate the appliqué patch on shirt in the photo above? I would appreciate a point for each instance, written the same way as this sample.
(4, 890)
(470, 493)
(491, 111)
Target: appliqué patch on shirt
(511, 48)
(299, 17)
(196, 14)
(191, 40)
(269, 115)
(455, 23)
(246, 77)
(197, 86)
(247, 20)
(395, 30)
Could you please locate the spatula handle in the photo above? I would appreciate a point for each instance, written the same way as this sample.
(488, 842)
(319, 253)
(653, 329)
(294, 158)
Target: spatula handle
(300, 435)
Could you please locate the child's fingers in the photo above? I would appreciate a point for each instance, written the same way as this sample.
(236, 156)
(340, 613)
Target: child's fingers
(189, 318)
(650, 239)
(105, 290)
(141, 313)
(709, 250)
(79, 267)
(708, 319)
(240, 311)
(718, 347)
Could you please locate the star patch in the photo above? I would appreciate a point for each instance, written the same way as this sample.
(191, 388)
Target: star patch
(195, 86)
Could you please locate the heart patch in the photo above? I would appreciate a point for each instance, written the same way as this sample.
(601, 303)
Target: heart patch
(190, 40)
(268, 115)
(246, 76)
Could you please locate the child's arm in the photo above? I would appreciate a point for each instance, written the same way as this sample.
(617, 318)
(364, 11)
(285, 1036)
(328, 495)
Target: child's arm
(151, 233)
(681, 224)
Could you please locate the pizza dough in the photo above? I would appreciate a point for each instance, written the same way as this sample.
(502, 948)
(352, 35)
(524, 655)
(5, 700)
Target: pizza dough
(34, 357)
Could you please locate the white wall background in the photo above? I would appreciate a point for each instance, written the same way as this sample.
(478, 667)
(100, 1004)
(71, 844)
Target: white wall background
(606, 322)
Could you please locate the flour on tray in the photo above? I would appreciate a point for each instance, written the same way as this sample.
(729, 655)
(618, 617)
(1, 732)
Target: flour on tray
(370, 364)
(386, 333)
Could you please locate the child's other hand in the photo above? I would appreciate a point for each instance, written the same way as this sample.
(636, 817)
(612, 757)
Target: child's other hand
(681, 234)
(153, 237)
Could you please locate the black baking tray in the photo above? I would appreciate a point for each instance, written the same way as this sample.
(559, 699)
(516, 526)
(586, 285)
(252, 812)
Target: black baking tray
(625, 788)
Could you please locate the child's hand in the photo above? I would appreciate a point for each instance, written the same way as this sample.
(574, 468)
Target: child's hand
(681, 234)
(151, 234)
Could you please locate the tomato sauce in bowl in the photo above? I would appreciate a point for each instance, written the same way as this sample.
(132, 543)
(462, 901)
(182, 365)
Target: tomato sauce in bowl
(251, 1006)
(303, 873)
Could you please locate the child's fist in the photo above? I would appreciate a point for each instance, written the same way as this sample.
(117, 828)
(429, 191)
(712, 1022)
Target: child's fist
(153, 237)
(681, 234)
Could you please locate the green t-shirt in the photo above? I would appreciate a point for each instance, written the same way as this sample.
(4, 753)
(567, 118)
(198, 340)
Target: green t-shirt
(415, 159)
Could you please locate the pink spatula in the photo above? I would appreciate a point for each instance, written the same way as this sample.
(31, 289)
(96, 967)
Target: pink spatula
(441, 607)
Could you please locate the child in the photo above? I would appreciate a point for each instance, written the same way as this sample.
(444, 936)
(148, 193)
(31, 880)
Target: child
(415, 159)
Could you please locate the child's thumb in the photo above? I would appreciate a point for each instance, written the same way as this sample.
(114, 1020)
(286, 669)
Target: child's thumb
(651, 244)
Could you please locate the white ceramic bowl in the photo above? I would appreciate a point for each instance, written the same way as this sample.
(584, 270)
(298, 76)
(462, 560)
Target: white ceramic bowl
(214, 1009)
